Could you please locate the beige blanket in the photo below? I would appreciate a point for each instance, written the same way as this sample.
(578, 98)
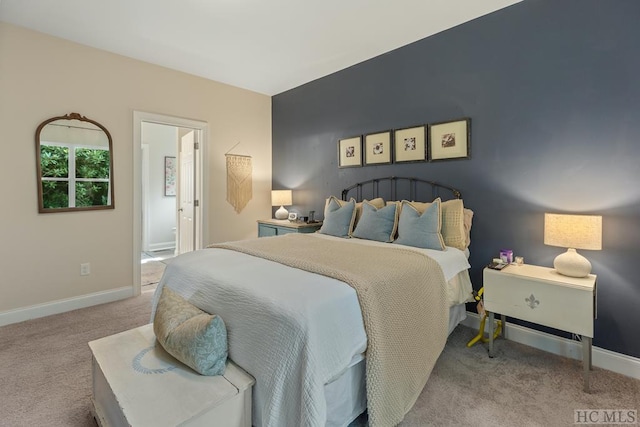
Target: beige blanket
(402, 296)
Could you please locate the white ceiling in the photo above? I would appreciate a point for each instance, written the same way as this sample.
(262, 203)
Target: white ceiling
(268, 46)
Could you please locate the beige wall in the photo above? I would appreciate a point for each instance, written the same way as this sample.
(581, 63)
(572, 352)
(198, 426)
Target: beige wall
(41, 77)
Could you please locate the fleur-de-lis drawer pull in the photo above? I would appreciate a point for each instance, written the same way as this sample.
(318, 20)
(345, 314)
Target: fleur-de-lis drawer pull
(532, 302)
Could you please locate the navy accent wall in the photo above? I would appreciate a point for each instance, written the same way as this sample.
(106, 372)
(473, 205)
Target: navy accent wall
(553, 92)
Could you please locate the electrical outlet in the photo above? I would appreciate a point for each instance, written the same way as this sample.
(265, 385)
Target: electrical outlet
(85, 269)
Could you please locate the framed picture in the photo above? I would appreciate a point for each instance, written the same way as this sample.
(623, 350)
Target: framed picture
(350, 152)
(450, 140)
(410, 145)
(169, 176)
(377, 148)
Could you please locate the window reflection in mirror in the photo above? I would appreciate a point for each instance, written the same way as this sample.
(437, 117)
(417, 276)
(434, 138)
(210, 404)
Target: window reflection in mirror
(74, 163)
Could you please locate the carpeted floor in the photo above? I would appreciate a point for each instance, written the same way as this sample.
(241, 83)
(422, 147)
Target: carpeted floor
(45, 376)
(152, 265)
(45, 364)
(151, 272)
(520, 386)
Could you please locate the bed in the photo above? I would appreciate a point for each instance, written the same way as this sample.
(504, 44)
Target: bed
(296, 321)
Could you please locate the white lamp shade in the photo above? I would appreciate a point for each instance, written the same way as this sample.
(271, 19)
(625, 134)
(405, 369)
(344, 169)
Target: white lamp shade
(573, 231)
(281, 198)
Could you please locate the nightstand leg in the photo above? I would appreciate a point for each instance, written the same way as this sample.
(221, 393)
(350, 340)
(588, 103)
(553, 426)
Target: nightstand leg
(504, 326)
(586, 361)
(491, 316)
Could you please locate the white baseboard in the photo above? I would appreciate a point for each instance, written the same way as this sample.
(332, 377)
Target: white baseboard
(161, 246)
(61, 306)
(602, 358)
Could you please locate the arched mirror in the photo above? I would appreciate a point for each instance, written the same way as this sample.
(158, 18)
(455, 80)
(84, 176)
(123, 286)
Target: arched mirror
(74, 160)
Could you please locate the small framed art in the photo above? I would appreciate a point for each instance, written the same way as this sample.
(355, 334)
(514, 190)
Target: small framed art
(170, 167)
(377, 148)
(450, 140)
(410, 145)
(350, 152)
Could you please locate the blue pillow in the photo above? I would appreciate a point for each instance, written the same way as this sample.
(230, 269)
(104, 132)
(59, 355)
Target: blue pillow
(338, 219)
(196, 338)
(377, 224)
(420, 231)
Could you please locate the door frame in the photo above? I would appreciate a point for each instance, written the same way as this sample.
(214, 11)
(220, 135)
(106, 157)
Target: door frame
(144, 197)
(201, 181)
(181, 198)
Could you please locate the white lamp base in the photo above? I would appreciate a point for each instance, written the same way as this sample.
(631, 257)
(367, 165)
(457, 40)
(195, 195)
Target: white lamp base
(282, 213)
(572, 264)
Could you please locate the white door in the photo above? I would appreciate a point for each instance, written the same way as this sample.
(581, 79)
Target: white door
(198, 184)
(186, 194)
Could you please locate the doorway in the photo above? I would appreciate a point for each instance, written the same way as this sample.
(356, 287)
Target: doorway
(168, 191)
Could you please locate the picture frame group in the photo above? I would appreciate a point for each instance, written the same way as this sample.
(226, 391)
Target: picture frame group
(432, 142)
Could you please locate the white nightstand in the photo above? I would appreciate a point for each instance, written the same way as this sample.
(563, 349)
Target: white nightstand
(543, 296)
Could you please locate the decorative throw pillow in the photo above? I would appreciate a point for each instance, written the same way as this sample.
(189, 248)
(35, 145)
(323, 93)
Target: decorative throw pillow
(377, 223)
(468, 219)
(378, 203)
(338, 218)
(453, 224)
(420, 230)
(453, 228)
(196, 338)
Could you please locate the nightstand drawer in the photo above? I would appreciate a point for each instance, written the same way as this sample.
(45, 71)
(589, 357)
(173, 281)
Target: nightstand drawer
(266, 231)
(541, 301)
(275, 227)
(283, 230)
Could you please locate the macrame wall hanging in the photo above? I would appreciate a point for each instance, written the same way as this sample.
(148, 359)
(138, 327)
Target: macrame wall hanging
(239, 181)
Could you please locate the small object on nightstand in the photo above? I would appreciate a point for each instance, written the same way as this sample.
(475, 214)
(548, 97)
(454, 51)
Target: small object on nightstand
(293, 216)
(506, 255)
(519, 260)
(497, 265)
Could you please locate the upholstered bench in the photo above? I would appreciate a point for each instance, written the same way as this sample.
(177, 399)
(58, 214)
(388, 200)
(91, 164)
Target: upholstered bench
(137, 383)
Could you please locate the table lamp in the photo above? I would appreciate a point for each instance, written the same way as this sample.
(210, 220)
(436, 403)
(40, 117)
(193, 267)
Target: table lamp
(573, 232)
(281, 198)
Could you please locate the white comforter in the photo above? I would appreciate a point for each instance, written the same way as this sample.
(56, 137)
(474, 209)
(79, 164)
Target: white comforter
(294, 331)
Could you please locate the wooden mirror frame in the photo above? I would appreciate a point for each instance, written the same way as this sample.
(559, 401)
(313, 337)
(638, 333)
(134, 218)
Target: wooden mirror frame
(41, 207)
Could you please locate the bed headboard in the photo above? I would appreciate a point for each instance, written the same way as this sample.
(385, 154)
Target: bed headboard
(399, 188)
